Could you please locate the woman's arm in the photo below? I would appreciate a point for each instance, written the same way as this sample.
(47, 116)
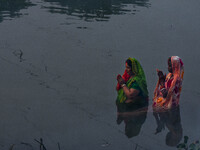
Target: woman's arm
(160, 82)
(130, 92)
(171, 89)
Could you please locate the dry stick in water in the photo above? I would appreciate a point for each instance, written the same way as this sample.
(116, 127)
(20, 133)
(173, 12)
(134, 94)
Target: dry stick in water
(58, 146)
(136, 146)
(11, 147)
(42, 147)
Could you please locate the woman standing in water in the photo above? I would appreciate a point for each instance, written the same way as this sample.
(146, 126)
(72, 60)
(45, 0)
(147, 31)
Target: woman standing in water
(132, 87)
(132, 99)
(168, 89)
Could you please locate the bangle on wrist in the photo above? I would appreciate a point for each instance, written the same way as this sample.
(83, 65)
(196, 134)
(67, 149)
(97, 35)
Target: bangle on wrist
(162, 89)
(123, 85)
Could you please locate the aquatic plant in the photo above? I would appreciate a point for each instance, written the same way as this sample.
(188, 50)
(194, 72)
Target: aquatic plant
(29, 146)
(100, 10)
(186, 146)
(11, 8)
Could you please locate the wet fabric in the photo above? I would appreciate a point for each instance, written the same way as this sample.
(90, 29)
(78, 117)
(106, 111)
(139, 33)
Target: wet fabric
(138, 81)
(173, 84)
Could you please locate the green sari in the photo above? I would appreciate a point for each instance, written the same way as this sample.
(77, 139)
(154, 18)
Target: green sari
(138, 81)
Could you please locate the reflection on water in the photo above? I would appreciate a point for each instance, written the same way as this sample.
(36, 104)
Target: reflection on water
(95, 9)
(10, 8)
(133, 115)
(172, 120)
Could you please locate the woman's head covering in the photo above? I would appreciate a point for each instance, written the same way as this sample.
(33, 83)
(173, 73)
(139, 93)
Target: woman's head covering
(177, 71)
(139, 76)
(177, 66)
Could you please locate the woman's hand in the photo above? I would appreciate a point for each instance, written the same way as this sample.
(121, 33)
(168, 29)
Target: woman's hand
(134, 99)
(161, 76)
(159, 73)
(120, 80)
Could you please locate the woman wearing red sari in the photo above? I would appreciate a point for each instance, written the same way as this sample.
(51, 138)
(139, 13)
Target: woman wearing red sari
(168, 88)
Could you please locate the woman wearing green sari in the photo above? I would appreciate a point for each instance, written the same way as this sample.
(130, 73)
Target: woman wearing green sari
(132, 86)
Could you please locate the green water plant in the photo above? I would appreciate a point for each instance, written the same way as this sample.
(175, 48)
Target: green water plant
(186, 146)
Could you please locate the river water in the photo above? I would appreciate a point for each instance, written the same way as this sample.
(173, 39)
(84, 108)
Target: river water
(59, 60)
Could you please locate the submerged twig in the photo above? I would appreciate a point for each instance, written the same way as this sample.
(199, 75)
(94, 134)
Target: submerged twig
(42, 147)
(58, 146)
(136, 146)
(11, 147)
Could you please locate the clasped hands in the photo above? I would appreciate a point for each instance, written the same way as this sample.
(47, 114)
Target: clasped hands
(162, 78)
(120, 80)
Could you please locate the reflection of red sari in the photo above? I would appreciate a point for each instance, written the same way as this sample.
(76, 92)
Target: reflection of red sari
(173, 84)
(126, 77)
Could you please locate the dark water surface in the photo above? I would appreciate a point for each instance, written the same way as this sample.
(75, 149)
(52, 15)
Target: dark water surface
(59, 61)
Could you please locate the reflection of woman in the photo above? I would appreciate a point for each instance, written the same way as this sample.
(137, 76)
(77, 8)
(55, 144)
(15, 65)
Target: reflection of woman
(133, 118)
(132, 85)
(172, 120)
(167, 95)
